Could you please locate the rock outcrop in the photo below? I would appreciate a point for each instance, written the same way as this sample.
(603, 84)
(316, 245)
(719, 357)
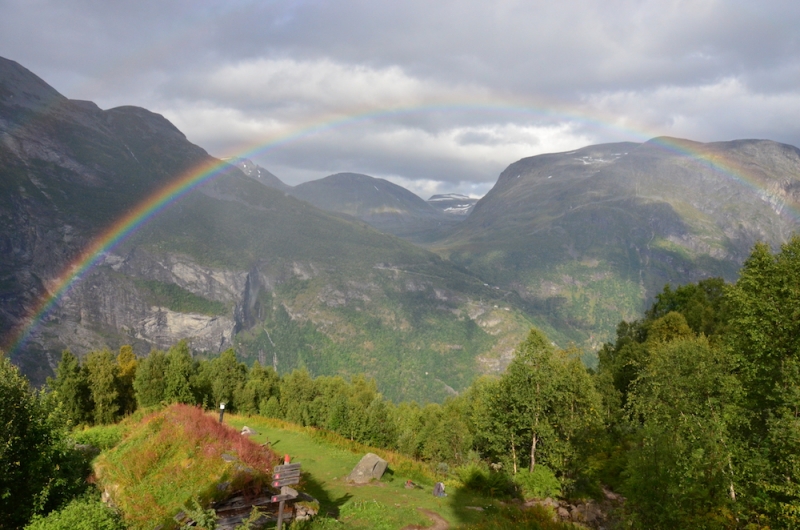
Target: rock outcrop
(370, 467)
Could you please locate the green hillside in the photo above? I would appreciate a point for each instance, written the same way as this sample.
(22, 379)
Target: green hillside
(588, 237)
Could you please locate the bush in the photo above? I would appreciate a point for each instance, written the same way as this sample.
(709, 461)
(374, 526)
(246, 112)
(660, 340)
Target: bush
(478, 478)
(85, 513)
(102, 437)
(39, 469)
(515, 518)
(539, 484)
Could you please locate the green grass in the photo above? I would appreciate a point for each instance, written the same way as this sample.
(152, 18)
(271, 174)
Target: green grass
(327, 459)
(178, 299)
(174, 455)
(103, 437)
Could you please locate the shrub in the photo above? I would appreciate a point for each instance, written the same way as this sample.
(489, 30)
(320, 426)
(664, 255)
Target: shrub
(515, 518)
(102, 437)
(478, 478)
(539, 484)
(85, 513)
(38, 468)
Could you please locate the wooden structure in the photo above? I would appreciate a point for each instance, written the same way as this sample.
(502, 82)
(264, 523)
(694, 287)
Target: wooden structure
(283, 477)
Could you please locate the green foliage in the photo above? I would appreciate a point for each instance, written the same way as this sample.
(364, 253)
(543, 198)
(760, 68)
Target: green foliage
(149, 383)
(514, 518)
(178, 374)
(681, 471)
(102, 373)
(701, 304)
(539, 483)
(204, 518)
(764, 338)
(251, 523)
(126, 374)
(103, 437)
(478, 478)
(83, 513)
(178, 299)
(39, 469)
(538, 411)
(228, 377)
(254, 397)
(71, 386)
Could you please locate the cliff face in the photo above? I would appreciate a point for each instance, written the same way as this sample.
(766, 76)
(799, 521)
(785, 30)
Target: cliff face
(230, 263)
(68, 170)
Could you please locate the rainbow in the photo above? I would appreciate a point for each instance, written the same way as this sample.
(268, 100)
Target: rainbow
(116, 233)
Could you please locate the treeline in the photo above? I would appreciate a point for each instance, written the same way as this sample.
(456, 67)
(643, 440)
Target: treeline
(537, 412)
(693, 413)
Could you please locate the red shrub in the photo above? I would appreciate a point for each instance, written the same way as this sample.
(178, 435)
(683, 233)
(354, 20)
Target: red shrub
(216, 438)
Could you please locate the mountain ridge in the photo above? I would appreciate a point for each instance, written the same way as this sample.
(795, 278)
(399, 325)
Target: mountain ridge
(598, 231)
(231, 263)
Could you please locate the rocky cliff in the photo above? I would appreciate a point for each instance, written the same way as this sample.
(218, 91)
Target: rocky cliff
(230, 263)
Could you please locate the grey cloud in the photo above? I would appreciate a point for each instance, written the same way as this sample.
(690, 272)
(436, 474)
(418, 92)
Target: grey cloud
(474, 77)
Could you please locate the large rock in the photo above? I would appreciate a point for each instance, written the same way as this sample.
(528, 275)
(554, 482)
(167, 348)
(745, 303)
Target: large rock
(370, 467)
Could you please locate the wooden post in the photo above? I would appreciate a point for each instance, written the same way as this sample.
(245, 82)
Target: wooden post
(280, 506)
(280, 515)
(282, 477)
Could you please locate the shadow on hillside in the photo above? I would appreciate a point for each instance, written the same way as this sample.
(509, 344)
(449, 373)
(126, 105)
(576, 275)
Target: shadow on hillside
(328, 506)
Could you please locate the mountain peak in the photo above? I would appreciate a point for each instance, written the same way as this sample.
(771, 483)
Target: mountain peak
(22, 88)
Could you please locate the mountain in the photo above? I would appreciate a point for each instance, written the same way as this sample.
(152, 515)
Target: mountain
(453, 204)
(588, 236)
(385, 206)
(260, 174)
(230, 263)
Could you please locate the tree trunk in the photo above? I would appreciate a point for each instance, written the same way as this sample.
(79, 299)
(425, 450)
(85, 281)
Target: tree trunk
(534, 441)
(514, 453)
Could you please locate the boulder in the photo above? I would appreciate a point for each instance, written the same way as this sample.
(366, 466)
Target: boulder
(247, 431)
(370, 467)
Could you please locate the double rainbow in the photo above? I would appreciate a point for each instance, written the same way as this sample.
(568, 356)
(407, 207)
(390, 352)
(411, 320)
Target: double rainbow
(121, 229)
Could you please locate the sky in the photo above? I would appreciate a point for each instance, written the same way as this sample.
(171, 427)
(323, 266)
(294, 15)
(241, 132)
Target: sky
(438, 96)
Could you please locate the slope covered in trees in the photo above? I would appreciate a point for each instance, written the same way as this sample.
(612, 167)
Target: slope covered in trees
(691, 414)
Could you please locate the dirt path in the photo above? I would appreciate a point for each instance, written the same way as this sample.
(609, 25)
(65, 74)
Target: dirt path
(439, 523)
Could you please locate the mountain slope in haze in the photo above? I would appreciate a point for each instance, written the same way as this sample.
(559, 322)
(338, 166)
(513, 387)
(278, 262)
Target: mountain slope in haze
(384, 205)
(258, 173)
(453, 204)
(589, 235)
(231, 263)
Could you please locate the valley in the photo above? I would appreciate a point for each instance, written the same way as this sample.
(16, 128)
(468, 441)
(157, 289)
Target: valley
(353, 274)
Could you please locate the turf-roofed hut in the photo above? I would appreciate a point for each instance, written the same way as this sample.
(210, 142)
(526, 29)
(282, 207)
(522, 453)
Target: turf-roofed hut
(181, 460)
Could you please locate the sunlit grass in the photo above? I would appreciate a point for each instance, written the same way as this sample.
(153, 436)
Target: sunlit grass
(176, 454)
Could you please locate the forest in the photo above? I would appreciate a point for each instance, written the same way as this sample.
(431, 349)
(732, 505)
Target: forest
(691, 414)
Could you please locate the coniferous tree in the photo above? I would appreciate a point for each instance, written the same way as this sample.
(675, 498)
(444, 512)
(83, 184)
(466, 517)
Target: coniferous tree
(71, 386)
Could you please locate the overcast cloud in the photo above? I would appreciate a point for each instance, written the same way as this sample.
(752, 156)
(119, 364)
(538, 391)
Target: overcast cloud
(435, 95)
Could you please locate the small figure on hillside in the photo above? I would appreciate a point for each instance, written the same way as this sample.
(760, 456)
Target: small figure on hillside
(410, 485)
(438, 490)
